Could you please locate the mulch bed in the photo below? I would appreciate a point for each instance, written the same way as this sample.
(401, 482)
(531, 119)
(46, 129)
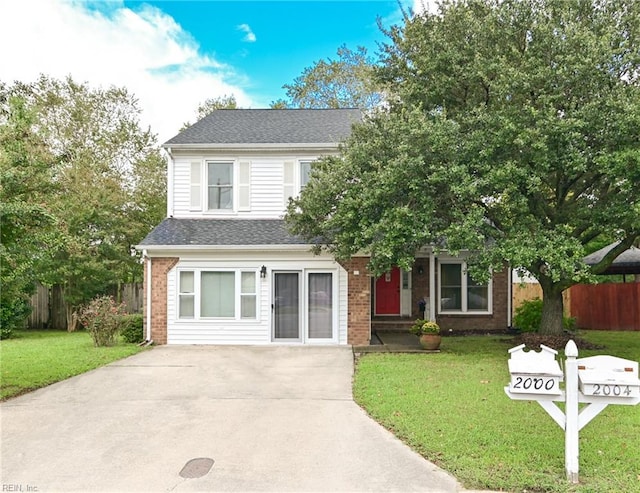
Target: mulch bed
(531, 339)
(557, 342)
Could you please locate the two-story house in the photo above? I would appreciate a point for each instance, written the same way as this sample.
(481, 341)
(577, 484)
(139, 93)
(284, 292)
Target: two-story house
(222, 268)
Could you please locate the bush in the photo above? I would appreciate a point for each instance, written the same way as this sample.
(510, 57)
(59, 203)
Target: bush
(13, 313)
(101, 317)
(131, 328)
(528, 317)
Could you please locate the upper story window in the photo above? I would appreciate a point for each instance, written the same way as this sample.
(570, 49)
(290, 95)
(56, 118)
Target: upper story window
(459, 292)
(220, 186)
(305, 173)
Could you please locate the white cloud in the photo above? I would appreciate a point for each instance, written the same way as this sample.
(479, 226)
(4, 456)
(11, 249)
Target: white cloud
(145, 51)
(249, 37)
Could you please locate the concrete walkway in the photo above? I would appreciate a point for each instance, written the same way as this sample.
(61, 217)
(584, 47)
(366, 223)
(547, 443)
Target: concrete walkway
(270, 419)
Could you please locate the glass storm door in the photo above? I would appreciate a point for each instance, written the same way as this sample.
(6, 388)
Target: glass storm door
(320, 306)
(286, 306)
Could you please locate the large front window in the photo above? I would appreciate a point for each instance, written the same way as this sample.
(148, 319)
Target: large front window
(459, 292)
(217, 294)
(220, 186)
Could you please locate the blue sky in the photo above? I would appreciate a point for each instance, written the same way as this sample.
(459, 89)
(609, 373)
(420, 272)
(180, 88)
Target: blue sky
(271, 43)
(175, 54)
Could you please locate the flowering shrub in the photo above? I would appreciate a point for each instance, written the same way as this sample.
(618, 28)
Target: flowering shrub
(102, 318)
(421, 327)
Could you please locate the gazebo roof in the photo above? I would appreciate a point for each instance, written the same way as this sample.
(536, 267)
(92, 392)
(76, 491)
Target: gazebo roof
(628, 262)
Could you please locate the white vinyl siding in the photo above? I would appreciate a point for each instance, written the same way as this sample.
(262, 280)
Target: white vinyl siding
(250, 292)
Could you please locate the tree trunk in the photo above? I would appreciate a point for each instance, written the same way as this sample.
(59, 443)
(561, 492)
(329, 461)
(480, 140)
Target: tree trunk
(552, 310)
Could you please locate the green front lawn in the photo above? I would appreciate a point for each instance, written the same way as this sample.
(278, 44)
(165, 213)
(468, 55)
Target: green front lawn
(451, 408)
(36, 358)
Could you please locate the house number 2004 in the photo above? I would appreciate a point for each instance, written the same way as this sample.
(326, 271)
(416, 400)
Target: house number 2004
(606, 389)
(535, 383)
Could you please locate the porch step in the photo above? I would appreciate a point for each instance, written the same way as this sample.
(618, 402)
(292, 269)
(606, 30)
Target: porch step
(392, 325)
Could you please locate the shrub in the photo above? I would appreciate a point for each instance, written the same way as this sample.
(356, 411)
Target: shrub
(131, 328)
(528, 317)
(101, 317)
(13, 313)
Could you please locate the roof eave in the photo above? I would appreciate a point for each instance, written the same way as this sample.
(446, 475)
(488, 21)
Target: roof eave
(288, 247)
(330, 146)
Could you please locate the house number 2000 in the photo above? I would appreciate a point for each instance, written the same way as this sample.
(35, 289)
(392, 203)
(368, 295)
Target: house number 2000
(534, 383)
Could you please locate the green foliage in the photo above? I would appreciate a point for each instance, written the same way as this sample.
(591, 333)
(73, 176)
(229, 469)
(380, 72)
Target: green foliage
(211, 104)
(510, 130)
(528, 317)
(343, 83)
(13, 312)
(131, 328)
(102, 318)
(81, 182)
(28, 228)
(421, 327)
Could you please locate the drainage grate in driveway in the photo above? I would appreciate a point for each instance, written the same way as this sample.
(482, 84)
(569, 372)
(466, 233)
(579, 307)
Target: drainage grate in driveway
(196, 468)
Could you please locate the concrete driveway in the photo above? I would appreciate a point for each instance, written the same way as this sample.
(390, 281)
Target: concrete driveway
(270, 418)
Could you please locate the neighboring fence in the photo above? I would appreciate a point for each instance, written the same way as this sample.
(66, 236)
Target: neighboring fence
(528, 291)
(49, 311)
(609, 306)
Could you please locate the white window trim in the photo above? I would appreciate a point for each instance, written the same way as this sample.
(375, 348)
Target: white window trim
(234, 186)
(299, 171)
(464, 310)
(197, 272)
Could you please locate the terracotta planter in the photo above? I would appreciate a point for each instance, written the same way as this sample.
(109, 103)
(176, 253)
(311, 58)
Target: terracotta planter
(430, 341)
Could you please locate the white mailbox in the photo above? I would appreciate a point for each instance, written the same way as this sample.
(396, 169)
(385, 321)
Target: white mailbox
(534, 372)
(609, 378)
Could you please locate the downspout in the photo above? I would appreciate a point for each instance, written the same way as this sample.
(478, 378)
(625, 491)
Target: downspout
(432, 287)
(509, 297)
(148, 339)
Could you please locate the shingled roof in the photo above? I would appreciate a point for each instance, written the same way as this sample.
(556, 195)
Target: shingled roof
(270, 126)
(220, 232)
(628, 262)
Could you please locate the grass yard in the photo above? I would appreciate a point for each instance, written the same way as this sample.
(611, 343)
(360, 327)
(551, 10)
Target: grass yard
(37, 358)
(451, 408)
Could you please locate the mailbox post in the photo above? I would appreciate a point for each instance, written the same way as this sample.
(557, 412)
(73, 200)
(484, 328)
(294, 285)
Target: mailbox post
(596, 381)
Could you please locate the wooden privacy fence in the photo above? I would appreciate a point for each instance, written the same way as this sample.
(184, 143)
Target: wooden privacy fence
(49, 309)
(610, 306)
(528, 291)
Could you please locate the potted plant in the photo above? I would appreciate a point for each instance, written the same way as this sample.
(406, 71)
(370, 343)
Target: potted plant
(429, 333)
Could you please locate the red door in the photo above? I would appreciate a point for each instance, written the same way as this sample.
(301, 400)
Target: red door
(388, 293)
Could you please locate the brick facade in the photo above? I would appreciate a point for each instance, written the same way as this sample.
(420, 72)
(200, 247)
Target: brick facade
(160, 266)
(359, 299)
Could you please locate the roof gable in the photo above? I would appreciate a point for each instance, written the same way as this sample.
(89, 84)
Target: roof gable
(270, 126)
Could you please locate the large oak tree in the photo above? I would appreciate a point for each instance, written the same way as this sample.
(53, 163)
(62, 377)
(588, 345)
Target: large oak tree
(512, 128)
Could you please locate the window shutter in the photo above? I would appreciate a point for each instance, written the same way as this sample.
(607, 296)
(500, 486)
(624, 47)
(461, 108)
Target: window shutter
(289, 180)
(244, 186)
(195, 190)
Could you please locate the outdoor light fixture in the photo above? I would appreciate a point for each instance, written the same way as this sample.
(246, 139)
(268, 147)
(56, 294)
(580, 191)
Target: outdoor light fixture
(420, 270)
(263, 271)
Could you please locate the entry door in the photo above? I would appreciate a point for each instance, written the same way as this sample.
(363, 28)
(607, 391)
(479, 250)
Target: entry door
(286, 306)
(388, 293)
